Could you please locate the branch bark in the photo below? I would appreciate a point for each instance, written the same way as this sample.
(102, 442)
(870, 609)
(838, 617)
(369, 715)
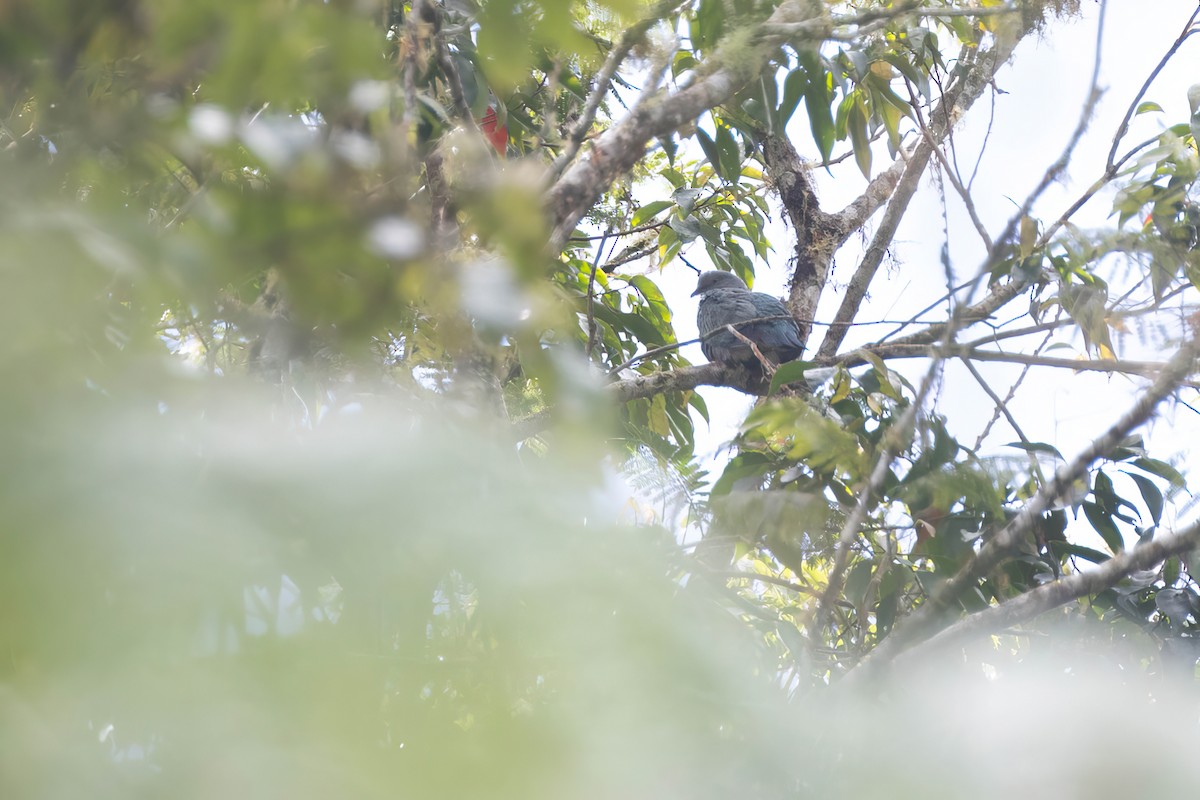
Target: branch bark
(619, 148)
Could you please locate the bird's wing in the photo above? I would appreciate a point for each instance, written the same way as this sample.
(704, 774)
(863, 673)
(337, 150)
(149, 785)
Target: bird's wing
(724, 307)
(781, 334)
(717, 309)
(768, 306)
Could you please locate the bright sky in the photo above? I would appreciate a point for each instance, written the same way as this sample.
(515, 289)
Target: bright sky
(1045, 86)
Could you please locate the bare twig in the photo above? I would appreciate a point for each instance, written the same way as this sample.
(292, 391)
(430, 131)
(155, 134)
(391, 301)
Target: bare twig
(873, 19)
(768, 367)
(975, 78)
(756, 576)
(949, 170)
(592, 328)
(1123, 128)
(1012, 392)
(1144, 368)
(1001, 406)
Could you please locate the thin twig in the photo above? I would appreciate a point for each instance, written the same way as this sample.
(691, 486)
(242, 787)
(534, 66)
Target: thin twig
(604, 77)
(950, 171)
(868, 21)
(592, 328)
(755, 576)
(1012, 392)
(767, 365)
(1123, 128)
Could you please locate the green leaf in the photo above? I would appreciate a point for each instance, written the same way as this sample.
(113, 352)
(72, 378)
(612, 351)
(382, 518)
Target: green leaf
(1037, 447)
(884, 376)
(794, 86)
(1147, 107)
(688, 228)
(686, 200)
(669, 245)
(860, 139)
(654, 298)
(857, 582)
(1151, 495)
(1104, 525)
(787, 373)
(1162, 470)
(818, 98)
(710, 149)
(1102, 489)
(729, 160)
(697, 402)
(1087, 553)
(649, 212)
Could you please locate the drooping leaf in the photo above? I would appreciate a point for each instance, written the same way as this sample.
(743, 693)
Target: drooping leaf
(1103, 524)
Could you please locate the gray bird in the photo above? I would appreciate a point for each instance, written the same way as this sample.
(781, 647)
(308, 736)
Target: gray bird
(724, 299)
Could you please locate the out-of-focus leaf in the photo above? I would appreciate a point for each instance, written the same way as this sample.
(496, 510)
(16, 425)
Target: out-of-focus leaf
(1103, 524)
(1151, 495)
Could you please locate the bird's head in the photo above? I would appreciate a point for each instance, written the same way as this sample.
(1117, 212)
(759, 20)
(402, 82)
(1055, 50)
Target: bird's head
(715, 279)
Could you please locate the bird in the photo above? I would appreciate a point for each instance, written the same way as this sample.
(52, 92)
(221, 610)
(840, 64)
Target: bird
(725, 300)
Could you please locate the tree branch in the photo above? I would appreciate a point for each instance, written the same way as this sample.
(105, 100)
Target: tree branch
(958, 98)
(615, 151)
(604, 77)
(1188, 30)
(1062, 591)
(1148, 369)
(919, 626)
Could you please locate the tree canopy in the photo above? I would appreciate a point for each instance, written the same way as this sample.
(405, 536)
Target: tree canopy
(329, 327)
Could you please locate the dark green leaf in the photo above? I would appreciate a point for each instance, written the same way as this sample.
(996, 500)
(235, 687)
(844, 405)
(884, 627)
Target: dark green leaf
(794, 86)
(1104, 525)
(710, 149)
(1151, 495)
(1162, 470)
(729, 160)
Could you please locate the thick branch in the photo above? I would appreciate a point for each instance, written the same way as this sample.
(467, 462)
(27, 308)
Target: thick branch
(675, 380)
(619, 148)
(817, 233)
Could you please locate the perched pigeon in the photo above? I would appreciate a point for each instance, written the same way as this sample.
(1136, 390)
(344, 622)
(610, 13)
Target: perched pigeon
(724, 299)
